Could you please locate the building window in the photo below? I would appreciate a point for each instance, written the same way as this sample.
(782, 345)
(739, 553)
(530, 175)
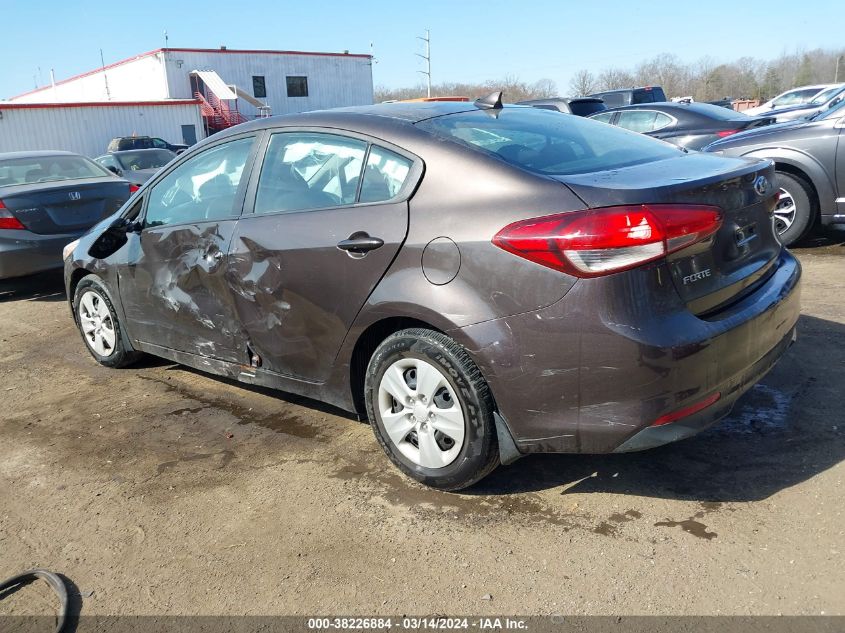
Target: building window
(297, 86)
(259, 88)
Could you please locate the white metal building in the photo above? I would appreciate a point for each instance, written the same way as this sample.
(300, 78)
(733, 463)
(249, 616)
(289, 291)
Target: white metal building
(87, 128)
(165, 91)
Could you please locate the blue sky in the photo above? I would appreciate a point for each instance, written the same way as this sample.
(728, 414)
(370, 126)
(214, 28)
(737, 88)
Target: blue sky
(471, 39)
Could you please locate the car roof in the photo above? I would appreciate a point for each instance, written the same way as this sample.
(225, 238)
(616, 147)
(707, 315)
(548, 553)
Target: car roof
(139, 151)
(703, 109)
(604, 92)
(36, 154)
(381, 115)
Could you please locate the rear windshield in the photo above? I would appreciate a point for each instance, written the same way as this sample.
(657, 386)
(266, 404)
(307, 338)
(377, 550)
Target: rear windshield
(24, 171)
(586, 108)
(548, 142)
(144, 158)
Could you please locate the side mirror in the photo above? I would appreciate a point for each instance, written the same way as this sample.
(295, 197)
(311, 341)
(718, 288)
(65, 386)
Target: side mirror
(113, 238)
(116, 171)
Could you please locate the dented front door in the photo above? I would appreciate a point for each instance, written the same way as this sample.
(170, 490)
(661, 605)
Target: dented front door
(173, 286)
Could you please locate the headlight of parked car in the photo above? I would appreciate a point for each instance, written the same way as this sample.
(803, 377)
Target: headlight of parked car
(68, 249)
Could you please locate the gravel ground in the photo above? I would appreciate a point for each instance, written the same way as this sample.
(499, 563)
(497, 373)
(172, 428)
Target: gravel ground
(158, 489)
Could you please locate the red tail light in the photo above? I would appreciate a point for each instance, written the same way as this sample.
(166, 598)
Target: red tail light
(687, 411)
(603, 241)
(133, 189)
(725, 133)
(7, 220)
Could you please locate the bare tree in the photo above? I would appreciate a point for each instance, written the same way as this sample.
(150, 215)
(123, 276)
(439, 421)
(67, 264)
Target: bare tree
(583, 83)
(705, 79)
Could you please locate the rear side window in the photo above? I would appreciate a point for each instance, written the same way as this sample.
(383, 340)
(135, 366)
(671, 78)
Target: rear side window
(303, 171)
(616, 99)
(384, 176)
(547, 143)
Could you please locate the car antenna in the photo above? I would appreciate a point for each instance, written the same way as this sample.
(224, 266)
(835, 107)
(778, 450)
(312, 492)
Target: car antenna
(493, 101)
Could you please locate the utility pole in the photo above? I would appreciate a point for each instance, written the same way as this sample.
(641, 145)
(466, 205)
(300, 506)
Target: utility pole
(105, 77)
(427, 58)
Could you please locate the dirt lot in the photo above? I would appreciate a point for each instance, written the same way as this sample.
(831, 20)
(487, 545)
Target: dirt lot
(158, 489)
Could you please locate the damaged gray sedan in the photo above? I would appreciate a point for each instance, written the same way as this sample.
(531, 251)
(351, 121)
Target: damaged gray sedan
(481, 282)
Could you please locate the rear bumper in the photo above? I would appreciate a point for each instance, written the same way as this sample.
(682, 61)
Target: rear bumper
(653, 436)
(592, 372)
(24, 253)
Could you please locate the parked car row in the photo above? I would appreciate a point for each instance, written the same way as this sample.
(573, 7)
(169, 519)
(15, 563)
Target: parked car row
(689, 125)
(472, 277)
(798, 130)
(47, 199)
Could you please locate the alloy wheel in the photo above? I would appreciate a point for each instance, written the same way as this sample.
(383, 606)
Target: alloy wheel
(421, 413)
(785, 210)
(96, 323)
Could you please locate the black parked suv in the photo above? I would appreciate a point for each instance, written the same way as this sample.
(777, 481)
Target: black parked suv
(143, 142)
(630, 96)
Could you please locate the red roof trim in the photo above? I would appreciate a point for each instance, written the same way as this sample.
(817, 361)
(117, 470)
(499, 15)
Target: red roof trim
(188, 50)
(95, 104)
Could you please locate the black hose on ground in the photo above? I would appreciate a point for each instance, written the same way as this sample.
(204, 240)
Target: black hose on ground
(55, 582)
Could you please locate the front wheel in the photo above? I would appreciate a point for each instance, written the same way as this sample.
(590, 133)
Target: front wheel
(795, 213)
(431, 410)
(98, 324)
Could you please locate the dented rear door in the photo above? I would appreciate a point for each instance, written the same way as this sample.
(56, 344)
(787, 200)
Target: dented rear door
(297, 277)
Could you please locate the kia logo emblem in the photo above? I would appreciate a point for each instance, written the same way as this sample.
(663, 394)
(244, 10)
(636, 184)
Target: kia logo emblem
(74, 195)
(761, 185)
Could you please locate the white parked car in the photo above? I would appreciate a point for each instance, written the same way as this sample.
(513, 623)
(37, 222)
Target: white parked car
(794, 97)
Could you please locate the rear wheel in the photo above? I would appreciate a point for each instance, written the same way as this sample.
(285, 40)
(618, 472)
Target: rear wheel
(795, 213)
(431, 410)
(98, 324)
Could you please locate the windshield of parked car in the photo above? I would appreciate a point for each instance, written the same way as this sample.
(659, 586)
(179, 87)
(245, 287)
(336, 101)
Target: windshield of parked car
(35, 169)
(826, 95)
(795, 97)
(548, 142)
(144, 159)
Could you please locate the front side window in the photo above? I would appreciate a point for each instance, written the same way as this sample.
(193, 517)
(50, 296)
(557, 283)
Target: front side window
(158, 143)
(303, 171)
(384, 176)
(796, 97)
(604, 117)
(259, 87)
(297, 86)
(203, 188)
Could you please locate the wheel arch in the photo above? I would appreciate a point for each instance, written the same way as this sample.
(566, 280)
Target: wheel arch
(367, 342)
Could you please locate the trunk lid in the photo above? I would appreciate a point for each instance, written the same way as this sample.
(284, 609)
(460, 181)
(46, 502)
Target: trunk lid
(716, 272)
(64, 206)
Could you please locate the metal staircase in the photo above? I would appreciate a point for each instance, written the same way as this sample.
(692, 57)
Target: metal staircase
(218, 114)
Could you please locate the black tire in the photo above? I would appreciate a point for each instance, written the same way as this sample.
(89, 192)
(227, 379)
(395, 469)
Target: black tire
(121, 355)
(805, 209)
(479, 454)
